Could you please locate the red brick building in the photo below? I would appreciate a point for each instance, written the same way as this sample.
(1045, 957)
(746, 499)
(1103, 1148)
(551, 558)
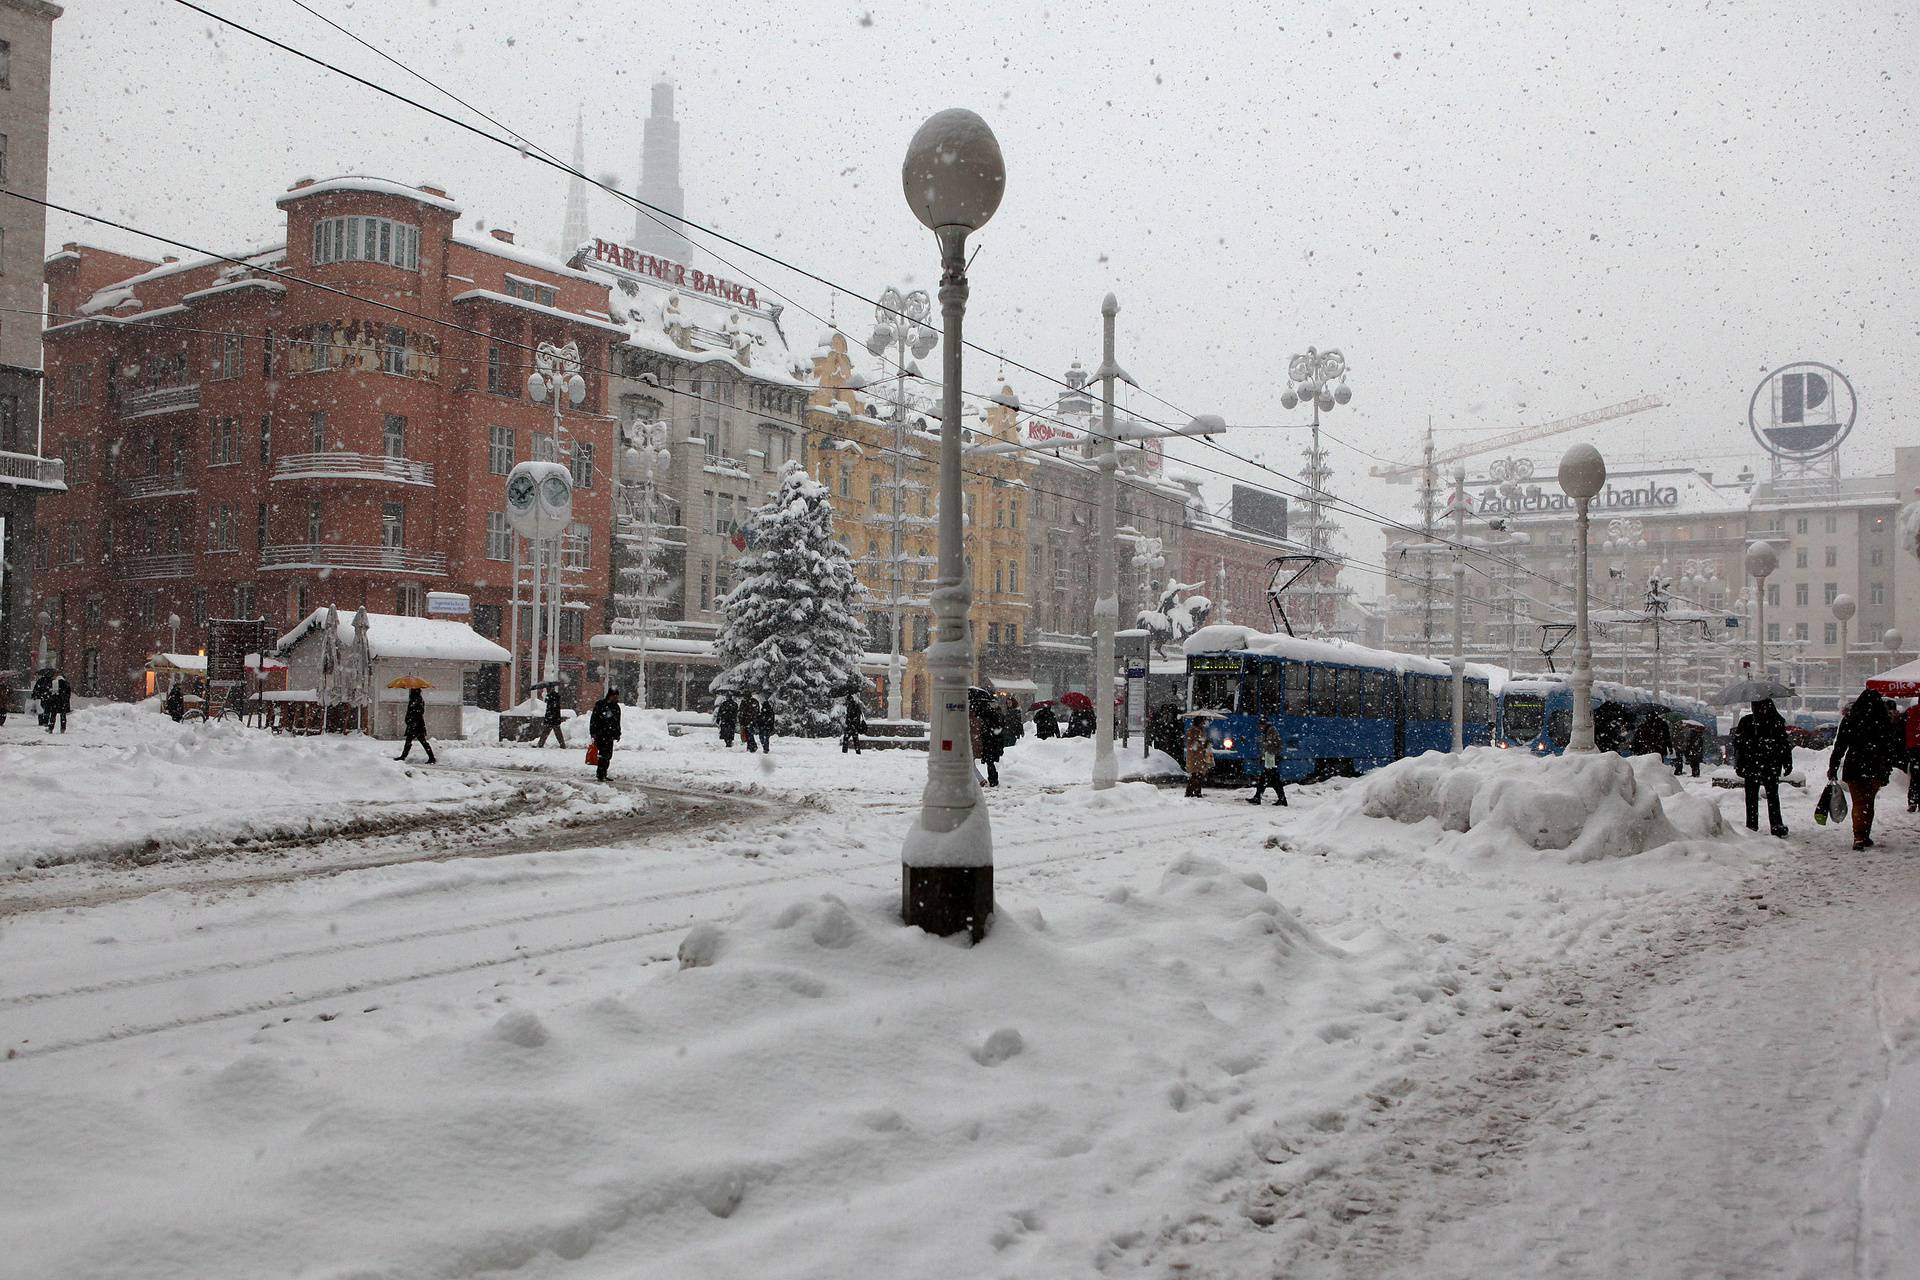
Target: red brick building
(244, 444)
(1234, 569)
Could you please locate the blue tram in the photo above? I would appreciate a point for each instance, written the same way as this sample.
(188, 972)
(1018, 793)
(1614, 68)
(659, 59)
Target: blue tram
(1341, 708)
(1535, 713)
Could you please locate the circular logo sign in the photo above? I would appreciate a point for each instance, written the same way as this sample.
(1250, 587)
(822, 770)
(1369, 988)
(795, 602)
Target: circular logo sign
(1810, 409)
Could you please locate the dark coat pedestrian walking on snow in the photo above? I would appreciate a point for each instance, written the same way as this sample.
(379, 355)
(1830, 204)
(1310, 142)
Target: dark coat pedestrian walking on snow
(1913, 757)
(417, 726)
(175, 704)
(59, 701)
(986, 729)
(726, 716)
(1045, 723)
(1865, 752)
(41, 684)
(550, 722)
(750, 722)
(1653, 736)
(1199, 757)
(604, 728)
(763, 722)
(1761, 754)
(1272, 752)
(853, 726)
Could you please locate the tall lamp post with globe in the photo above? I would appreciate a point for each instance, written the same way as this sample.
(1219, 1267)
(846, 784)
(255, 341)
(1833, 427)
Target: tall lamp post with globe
(953, 178)
(1582, 473)
(1843, 611)
(1761, 561)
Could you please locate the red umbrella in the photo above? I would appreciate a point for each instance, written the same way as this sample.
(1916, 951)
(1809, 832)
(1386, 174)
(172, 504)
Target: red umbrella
(1076, 701)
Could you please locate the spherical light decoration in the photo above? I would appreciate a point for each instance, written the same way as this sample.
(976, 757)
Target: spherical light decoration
(1325, 401)
(1288, 400)
(1892, 639)
(1844, 607)
(1761, 559)
(1582, 472)
(954, 174)
(1342, 394)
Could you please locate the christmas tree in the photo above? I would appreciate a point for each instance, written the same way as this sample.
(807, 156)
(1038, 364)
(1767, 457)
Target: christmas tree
(791, 628)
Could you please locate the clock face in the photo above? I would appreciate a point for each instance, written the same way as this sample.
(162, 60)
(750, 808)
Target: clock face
(520, 490)
(557, 492)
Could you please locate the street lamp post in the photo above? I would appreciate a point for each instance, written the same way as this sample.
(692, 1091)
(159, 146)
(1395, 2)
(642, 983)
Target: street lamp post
(953, 178)
(1582, 473)
(646, 454)
(1106, 601)
(1761, 561)
(1319, 378)
(556, 375)
(1843, 611)
(1891, 640)
(1459, 610)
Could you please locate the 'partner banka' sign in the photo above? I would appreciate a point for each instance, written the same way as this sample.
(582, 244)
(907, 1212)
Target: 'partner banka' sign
(625, 257)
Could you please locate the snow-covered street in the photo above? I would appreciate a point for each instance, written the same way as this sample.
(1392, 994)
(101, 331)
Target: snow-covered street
(1203, 1038)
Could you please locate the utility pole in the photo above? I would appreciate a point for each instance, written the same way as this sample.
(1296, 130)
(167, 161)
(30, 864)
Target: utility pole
(1106, 603)
(1459, 502)
(1429, 485)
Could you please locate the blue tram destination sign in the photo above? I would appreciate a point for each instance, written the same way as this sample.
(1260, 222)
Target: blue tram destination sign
(1810, 409)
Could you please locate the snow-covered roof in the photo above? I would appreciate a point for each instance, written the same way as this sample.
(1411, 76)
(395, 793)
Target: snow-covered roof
(522, 254)
(488, 295)
(1226, 637)
(371, 186)
(251, 282)
(394, 636)
(681, 322)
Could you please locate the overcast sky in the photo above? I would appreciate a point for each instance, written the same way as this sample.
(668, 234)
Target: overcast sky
(1501, 213)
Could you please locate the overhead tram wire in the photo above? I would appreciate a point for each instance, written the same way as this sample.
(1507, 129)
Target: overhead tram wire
(533, 152)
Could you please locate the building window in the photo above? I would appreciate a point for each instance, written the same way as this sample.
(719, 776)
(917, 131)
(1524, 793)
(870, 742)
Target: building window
(199, 606)
(228, 357)
(706, 585)
(266, 438)
(3, 157)
(1773, 595)
(243, 600)
(317, 432)
(1876, 593)
(1833, 633)
(408, 600)
(486, 620)
(1833, 524)
(260, 528)
(1800, 557)
(1013, 576)
(1832, 557)
(1876, 557)
(361, 239)
(96, 612)
(6, 65)
(393, 436)
(226, 528)
(226, 443)
(313, 526)
(1829, 592)
(393, 351)
(999, 580)
(581, 464)
(573, 626)
(528, 291)
(1773, 632)
(393, 525)
(500, 379)
(1800, 595)
(149, 608)
(1800, 525)
(1800, 631)
(499, 536)
(576, 548)
(544, 449)
(499, 450)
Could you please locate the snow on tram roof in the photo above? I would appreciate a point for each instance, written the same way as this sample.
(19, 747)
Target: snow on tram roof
(1227, 638)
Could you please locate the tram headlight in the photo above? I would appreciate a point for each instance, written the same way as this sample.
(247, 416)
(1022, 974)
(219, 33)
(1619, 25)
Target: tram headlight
(1227, 742)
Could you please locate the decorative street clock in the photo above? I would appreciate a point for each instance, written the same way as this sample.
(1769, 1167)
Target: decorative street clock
(539, 500)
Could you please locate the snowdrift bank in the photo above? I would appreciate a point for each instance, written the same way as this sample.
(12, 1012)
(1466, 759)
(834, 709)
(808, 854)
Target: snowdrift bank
(812, 1090)
(125, 775)
(1577, 807)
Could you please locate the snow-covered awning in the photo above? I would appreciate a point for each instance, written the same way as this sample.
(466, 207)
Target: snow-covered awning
(393, 636)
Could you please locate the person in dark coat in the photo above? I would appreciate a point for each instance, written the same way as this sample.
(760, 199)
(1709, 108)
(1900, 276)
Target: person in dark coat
(853, 726)
(726, 716)
(417, 727)
(41, 684)
(550, 722)
(1865, 752)
(1911, 723)
(750, 722)
(1045, 723)
(1081, 722)
(59, 703)
(1653, 736)
(1272, 751)
(6, 696)
(1198, 758)
(987, 730)
(1694, 747)
(763, 722)
(1761, 754)
(604, 728)
(175, 704)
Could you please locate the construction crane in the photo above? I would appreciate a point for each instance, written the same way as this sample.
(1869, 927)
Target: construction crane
(1403, 473)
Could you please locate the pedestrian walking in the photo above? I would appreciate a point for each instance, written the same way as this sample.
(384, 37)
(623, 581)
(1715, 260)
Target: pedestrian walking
(1045, 723)
(1913, 756)
(853, 725)
(175, 704)
(1199, 756)
(42, 683)
(1695, 748)
(59, 701)
(726, 715)
(763, 722)
(417, 727)
(987, 730)
(6, 697)
(750, 722)
(1653, 737)
(1761, 754)
(1865, 752)
(550, 722)
(603, 726)
(1272, 751)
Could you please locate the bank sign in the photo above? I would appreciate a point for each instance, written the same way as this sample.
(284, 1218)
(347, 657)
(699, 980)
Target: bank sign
(631, 261)
(1651, 496)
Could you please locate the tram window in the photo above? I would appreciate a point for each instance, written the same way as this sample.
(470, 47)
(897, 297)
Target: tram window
(1215, 690)
(1326, 699)
(1374, 684)
(1296, 688)
(1523, 716)
(1479, 703)
(1427, 697)
(1560, 727)
(1269, 688)
(1352, 703)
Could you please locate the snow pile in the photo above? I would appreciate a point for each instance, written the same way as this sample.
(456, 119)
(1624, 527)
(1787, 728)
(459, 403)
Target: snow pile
(127, 780)
(1582, 807)
(809, 1090)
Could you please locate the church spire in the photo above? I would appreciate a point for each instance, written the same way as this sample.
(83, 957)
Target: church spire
(576, 230)
(660, 181)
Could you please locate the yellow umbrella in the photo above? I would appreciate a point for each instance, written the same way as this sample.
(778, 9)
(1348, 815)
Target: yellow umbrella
(409, 682)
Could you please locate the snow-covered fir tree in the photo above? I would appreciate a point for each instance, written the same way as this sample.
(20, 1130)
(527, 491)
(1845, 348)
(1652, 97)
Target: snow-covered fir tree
(792, 628)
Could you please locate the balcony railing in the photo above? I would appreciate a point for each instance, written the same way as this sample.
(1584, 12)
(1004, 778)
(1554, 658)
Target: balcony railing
(32, 471)
(294, 556)
(337, 465)
(159, 486)
(146, 568)
(150, 401)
